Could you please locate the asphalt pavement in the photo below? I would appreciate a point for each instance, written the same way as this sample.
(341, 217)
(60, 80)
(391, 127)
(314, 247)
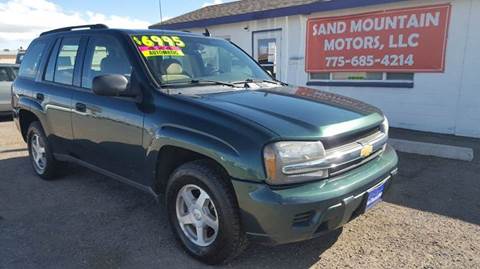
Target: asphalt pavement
(430, 219)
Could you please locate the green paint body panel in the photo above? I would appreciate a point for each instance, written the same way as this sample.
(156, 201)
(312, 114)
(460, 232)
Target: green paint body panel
(269, 213)
(123, 137)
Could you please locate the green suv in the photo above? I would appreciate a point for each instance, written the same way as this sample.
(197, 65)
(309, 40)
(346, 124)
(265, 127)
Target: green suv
(236, 155)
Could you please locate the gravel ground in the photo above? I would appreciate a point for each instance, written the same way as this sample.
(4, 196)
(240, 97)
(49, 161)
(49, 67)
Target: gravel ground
(430, 219)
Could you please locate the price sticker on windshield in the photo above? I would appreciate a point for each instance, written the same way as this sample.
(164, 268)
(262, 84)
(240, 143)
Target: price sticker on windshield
(154, 45)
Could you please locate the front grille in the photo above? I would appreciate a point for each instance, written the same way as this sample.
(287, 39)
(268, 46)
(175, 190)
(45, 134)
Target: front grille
(374, 137)
(334, 142)
(338, 169)
(351, 165)
(361, 148)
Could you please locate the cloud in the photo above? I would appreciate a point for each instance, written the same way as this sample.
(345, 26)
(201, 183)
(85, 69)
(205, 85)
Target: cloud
(23, 20)
(215, 2)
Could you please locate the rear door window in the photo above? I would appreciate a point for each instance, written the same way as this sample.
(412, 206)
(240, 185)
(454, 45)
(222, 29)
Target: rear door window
(31, 61)
(65, 63)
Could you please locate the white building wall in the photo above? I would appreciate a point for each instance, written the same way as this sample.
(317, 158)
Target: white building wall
(446, 102)
(468, 108)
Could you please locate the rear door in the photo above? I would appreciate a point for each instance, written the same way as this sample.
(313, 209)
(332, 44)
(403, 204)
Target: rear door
(107, 130)
(56, 91)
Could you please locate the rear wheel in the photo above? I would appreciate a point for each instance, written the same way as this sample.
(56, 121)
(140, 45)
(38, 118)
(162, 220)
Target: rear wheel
(41, 155)
(204, 214)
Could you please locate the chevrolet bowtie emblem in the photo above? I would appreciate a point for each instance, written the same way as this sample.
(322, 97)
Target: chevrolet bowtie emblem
(366, 151)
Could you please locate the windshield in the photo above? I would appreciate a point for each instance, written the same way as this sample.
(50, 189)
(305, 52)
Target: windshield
(177, 60)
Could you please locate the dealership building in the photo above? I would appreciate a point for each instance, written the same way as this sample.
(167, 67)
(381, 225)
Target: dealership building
(417, 60)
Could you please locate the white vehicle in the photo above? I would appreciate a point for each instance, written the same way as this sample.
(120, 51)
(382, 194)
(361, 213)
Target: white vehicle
(8, 73)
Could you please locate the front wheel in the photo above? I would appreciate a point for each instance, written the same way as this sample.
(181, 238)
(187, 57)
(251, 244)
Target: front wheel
(204, 214)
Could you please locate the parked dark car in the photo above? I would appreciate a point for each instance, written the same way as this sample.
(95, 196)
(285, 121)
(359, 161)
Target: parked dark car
(236, 155)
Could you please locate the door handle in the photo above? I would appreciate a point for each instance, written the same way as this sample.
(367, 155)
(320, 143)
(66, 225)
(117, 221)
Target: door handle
(80, 107)
(40, 97)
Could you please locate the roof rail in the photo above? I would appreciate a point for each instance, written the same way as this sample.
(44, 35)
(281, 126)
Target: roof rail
(70, 28)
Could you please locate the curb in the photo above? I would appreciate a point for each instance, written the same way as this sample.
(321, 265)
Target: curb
(430, 149)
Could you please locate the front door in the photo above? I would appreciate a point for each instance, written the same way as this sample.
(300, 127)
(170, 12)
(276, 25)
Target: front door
(267, 51)
(107, 130)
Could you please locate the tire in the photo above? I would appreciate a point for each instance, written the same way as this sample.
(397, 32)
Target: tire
(229, 240)
(49, 165)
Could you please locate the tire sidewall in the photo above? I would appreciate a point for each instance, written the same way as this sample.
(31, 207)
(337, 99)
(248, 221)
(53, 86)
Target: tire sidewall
(35, 128)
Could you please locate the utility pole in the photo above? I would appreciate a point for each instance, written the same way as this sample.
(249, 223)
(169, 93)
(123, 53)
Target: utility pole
(160, 9)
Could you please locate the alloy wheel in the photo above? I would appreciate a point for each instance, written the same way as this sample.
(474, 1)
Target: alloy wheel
(197, 215)
(38, 153)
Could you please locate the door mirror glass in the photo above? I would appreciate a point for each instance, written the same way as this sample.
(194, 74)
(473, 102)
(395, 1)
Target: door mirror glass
(110, 85)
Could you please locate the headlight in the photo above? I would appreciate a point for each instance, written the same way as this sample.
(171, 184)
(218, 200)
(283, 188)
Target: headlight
(385, 125)
(288, 162)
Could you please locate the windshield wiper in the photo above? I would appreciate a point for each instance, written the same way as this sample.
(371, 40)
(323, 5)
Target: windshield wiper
(278, 82)
(200, 81)
(250, 80)
(216, 82)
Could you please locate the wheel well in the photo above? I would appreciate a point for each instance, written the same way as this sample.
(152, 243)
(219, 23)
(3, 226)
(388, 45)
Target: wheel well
(171, 157)
(26, 118)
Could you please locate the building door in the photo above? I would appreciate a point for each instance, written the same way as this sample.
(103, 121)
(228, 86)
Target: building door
(267, 50)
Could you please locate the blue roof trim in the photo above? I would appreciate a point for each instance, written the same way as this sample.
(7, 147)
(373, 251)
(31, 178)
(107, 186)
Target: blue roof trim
(272, 13)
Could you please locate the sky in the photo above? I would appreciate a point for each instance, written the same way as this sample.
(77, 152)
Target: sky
(23, 20)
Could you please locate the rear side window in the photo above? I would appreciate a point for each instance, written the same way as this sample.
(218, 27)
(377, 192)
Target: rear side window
(65, 64)
(104, 56)
(31, 60)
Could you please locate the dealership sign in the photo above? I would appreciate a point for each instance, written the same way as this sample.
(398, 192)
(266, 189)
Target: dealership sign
(400, 40)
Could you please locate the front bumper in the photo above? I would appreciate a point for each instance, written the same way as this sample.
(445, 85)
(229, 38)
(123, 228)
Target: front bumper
(282, 215)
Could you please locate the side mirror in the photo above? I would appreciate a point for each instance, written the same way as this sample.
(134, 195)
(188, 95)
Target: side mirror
(110, 85)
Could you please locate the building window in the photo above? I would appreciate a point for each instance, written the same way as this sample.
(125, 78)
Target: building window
(380, 79)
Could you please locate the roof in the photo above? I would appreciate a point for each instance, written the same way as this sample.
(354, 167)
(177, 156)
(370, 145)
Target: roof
(245, 10)
(235, 8)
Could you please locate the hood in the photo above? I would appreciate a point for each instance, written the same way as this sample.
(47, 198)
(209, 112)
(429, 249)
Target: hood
(298, 112)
